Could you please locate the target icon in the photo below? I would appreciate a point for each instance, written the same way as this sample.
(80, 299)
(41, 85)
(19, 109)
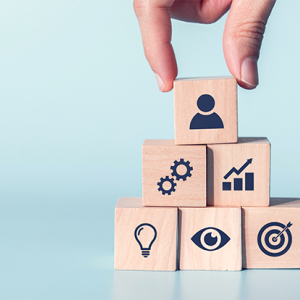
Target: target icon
(275, 239)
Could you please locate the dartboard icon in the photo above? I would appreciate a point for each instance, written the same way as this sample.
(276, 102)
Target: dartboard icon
(275, 239)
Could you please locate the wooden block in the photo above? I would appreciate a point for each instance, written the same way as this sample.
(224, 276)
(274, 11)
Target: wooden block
(205, 110)
(173, 175)
(271, 235)
(239, 174)
(145, 237)
(210, 238)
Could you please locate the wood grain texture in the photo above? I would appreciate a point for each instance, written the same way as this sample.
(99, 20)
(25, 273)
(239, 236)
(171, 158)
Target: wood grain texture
(158, 158)
(186, 94)
(221, 159)
(282, 210)
(129, 214)
(192, 257)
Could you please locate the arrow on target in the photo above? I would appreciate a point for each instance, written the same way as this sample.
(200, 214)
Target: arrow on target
(274, 239)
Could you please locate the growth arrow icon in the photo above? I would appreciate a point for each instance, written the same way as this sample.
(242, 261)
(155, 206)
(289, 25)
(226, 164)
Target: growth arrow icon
(239, 171)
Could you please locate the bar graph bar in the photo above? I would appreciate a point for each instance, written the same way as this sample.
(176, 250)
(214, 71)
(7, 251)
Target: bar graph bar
(249, 181)
(226, 186)
(238, 184)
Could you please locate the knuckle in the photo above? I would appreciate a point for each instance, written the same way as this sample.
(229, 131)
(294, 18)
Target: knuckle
(252, 31)
(140, 7)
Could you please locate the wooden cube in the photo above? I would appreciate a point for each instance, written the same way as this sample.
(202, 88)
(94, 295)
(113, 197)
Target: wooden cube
(173, 175)
(239, 174)
(145, 237)
(271, 235)
(210, 238)
(205, 110)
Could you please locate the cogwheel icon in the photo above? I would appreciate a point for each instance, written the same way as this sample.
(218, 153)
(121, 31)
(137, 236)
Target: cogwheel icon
(162, 181)
(188, 169)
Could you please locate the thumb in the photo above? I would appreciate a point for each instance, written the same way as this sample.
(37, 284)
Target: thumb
(243, 34)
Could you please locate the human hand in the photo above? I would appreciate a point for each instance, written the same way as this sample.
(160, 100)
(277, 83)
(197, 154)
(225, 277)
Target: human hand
(242, 38)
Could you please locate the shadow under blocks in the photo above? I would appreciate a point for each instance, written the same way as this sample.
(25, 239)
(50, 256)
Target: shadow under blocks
(206, 194)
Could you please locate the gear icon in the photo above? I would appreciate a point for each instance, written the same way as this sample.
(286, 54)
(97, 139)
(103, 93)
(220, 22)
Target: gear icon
(188, 169)
(162, 181)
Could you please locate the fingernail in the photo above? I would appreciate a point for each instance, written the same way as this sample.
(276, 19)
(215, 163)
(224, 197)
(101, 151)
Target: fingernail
(160, 83)
(249, 72)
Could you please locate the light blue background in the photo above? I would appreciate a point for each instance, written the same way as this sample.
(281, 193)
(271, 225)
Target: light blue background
(77, 100)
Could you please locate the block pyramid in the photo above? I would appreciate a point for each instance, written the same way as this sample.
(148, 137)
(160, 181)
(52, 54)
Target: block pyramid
(206, 202)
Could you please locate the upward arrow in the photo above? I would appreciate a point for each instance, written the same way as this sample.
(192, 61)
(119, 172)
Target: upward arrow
(238, 172)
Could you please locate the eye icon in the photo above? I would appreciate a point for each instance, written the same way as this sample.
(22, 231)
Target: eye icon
(210, 239)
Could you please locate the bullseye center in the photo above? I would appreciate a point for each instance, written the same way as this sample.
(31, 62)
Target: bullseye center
(273, 240)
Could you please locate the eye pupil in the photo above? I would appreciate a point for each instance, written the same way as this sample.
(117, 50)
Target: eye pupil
(209, 240)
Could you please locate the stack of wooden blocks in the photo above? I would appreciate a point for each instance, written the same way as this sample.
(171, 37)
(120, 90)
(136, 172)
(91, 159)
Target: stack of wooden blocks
(210, 189)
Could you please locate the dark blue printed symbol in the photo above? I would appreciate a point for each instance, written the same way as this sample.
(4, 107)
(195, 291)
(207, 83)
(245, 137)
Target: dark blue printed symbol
(238, 182)
(210, 239)
(239, 171)
(213, 121)
(275, 239)
(187, 172)
(163, 186)
(145, 234)
(167, 185)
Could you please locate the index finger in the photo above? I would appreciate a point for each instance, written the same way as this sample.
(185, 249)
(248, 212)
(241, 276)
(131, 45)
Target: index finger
(156, 29)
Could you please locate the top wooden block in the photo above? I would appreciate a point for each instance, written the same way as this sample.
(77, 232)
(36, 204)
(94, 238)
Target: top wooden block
(205, 110)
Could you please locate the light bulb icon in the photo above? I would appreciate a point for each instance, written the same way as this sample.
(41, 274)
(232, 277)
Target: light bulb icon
(145, 234)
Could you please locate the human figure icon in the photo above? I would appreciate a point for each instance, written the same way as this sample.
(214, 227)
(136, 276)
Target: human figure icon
(203, 121)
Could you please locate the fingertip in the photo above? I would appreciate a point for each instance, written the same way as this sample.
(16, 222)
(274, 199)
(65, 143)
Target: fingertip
(249, 71)
(246, 85)
(165, 76)
(241, 62)
(242, 39)
(160, 83)
(156, 30)
(164, 86)
(168, 88)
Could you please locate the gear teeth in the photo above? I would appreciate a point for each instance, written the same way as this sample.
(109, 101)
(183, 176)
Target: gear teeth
(188, 169)
(176, 175)
(162, 181)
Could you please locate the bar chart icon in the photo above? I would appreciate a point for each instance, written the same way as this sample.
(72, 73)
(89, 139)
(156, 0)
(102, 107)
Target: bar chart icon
(238, 182)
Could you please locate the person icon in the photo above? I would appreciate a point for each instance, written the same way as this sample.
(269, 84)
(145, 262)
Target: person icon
(202, 121)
